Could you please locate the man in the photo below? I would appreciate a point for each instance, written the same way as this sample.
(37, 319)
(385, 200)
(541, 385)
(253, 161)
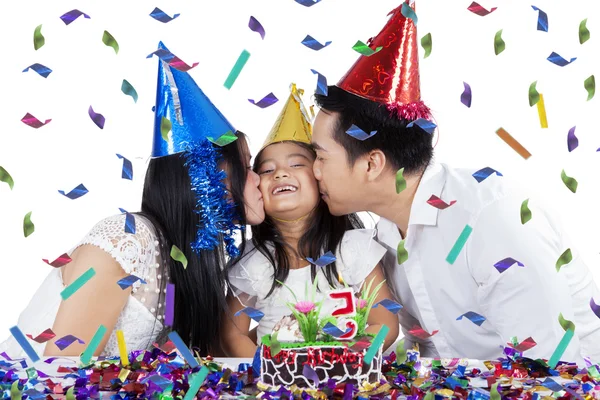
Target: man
(470, 273)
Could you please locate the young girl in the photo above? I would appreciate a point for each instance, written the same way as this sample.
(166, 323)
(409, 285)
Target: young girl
(298, 226)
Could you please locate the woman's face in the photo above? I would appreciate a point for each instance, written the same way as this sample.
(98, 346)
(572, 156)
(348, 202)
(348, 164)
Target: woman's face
(253, 199)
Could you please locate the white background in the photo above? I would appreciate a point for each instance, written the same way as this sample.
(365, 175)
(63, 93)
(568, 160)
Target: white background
(71, 150)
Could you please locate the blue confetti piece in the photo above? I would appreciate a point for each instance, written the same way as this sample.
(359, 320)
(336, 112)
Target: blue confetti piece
(484, 173)
(555, 58)
(161, 16)
(183, 349)
(313, 43)
(358, 133)
(389, 305)
(129, 280)
(321, 84)
(75, 193)
(473, 317)
(324, 260)
(253, 313)
(307, 3)
(424, 124)
(127, 172)
(25, 345)
(72, 15)
(505, 264)
(158, 380)
(266, 101)
(408, 12)
(542, 24)
(333, 330)
(129, 221)
(552, 385)
(40, 69)
(256, 364)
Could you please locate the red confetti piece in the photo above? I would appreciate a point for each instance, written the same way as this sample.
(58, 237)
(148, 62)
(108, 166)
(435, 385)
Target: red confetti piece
(61, 261)
(33, 122)
(439, 203)
(421, 333)
(42, 337)
(476, 8)
(525, 345)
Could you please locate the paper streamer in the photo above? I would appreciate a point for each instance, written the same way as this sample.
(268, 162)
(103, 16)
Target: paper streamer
(6, 178)
(400, 181)
(307, 3)
(183, 349)
(389, 305)
(466, 96)
(165, 128)
(401, 253)
(129, 221)
(256, 26)
(542, 23)
(127, 172)
(584, 33)
(525, 212)
(172, 60)
(364, 49)
(97, 118)
(499, 44)
(473, 317)
(475, 8)
(110, 41)
(409, 12)
(513, 143)
(72, 15)
(22, 340)
(28, 226)
(38, 38)
(321, 83)
(310, 374)
(506, 263)
(43, 337)
(42, 70)
(266, 101)
(590, 85)
(572, 141)
(427, 43)
(88, 353)
(161, 16)
(541, 107)
(129, 90)
(33, 122)
(170, 304)
(358, 133)
(66, 341)
(129, 280)
(424, 124)
(225, 139)
(376, 343)
(324, 260)
(595, 307)
(61, 261)
(237, 68)
(570, 183)
(564, 259)
(178, 255)
(195, 383)
(557, 59)
(534, 96)
(122, 348)
(439, 203)
(460, 243)
(78, 283)
(569, 328)
(313, 43)
(76, 193)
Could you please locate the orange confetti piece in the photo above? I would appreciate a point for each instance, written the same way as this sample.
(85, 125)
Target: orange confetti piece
(512, 142)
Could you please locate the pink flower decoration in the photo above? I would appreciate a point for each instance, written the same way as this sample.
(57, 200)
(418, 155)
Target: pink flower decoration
(305, 306)
(361, 303)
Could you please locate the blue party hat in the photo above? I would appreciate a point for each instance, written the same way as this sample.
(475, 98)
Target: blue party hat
(182, 106)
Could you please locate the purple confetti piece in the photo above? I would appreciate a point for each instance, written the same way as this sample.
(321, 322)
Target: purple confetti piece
(358, 133)
(127, 172)
(348, 392)
(572, 141)
(307, 3)
(253, 313)
(322, 261)
(473, 317)
(313, 43)
(555, 58)
(97, 118)
(66, 341)
(505, 264)
(595, 307)
(72, 15)
(42, 70)
(75, 193)
(129, 221)
(542, 23)
(311, 374)
(266, 101)
(129, 280)
(321, 84)
(424, 124)
(170, 304)
(466, 95)
(390, 305)
(484, 173)
(161, 16)
(256, 26)
(33, 122)
(333, 330)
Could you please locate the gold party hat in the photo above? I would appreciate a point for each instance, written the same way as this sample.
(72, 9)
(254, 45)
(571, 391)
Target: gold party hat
(293, 123)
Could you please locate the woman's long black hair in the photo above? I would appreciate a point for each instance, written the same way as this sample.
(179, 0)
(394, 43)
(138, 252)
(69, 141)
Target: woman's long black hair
(169, 203)
(325, 233)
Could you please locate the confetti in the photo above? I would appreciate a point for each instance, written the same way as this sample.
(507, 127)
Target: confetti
(165, 128)
(237, 68)
(170, 304)
(307, 3)
(364, 49)
(178, 255)
(376, 343)
(129, 280)
(86, 356)
(569, 328)
(66, 341)
(426, 43)
(28, 226)
(564, 259)
(424, 124)
(401, 253)
(129, 221)
(525, 345)
(584, 33)
(183, 349)
(389, 305)
(275, 345)
(360, 345)
(499, 44)
(460, 243)
(534, 96)
(76, 193)
(127, 172)
(129, 90)
(541, 107)
(552, 385)
(572, 141)
(513, 143)
(321, 84)
(43, 337)
(77, 283)
(110, 41)
(506, 263)
(42, 70)
(439, 203)
(97, 118)
(400, 181)
(408, 12)
(311, 374)
(22, 340)
(595, 307)
(323, 261)
(557, 59)
(195, 383)
(358, 133)
(38, 38)
(494, 395)
(570, 183)
(475, 8)
(473, 317)
(72, 15)
(590, 85)
(161, 16)
(484, 173)
(172, 60)
(525, 212)
(332, 330)
(256, 26)
(122, 348)
(6, 178)
(266, 101)
(542, 23)
(33, 122)
(61, 261)
(313, 43)
(225, 139)
(466, 96)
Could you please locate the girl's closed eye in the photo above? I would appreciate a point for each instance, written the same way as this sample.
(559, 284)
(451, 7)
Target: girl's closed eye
(265, 171)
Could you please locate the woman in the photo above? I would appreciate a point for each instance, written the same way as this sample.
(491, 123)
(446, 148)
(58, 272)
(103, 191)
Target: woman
(187, 202)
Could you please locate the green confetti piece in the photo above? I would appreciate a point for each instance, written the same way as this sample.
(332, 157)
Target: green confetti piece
(165, 127)
(110, 41)
(593, 373)
(196, 382)
(225, 139)
(400, 181)
(376, 344)
(534, 96)
(429, 396)
(129, 90)
(275, 345)
(565, 323)
(570, 183)
(494, 394)
(237, 68)
(590, 85)
(15, 393)
(71, 393)
(365, 50)
(525, 212)
(28, 226)
(564, 259)
(426, 43)
(460, 243)
(499, 44)
(401, 253)
(86, 356)
(584, 33)
(5, 177)
(31, 373)
(400, 352)
(560, 349)
(178, 255)
(38, 38)
(77, 283)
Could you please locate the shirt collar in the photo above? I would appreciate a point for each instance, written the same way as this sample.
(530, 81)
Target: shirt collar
(432, 183)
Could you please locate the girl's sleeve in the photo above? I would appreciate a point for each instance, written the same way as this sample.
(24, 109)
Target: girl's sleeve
(358, 254)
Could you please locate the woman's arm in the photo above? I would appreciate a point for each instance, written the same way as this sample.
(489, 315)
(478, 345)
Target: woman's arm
(380, 315)
(237, 340)
(98, 302)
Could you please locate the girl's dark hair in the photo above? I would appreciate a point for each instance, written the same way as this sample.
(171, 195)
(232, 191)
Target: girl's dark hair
(408, 148)
(169, 204)
(324, 234)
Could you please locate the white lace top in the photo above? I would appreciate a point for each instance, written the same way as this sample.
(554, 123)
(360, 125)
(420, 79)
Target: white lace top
(139, 255)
